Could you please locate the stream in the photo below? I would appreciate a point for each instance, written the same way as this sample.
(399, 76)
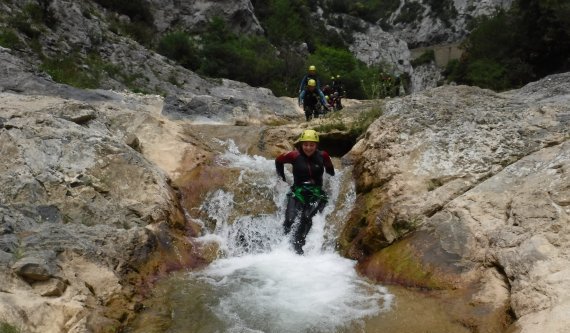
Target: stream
(259, 284)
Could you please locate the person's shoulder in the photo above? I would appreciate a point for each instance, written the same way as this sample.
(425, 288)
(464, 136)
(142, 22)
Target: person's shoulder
(289, 155)
(324, 154)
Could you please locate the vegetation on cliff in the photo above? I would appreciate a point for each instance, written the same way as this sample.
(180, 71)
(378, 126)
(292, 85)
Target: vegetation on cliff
(515, 47)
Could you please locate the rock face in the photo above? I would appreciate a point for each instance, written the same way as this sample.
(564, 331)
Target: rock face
(420, 24)
(121, 63)
(86, 205)
(195, 15)
(375, 46)
(466, 181)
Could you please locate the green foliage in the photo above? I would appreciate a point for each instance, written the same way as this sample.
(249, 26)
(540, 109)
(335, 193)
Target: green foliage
(141, 26)
(250, 59)
(443, 9)
(9, 39)
(356, 76)
(336, 125)
(7, 328)
(81, 73)
(487, 73)
(514, 47)
(40, 13)
(136, 10)
(381, 84)
(283, 20)
(23, 23)
(425, 58)
(178, 46)
(137, 30)
(373, 10)
(364, 120)
(409, 13)
(66, 70)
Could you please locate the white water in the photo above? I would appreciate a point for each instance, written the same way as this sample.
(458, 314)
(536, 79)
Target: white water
(260, 284)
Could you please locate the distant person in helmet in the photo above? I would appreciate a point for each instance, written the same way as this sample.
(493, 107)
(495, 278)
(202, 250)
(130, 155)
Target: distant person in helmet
(307, 196)
(310, 98)
(338, 89)
(311, 75)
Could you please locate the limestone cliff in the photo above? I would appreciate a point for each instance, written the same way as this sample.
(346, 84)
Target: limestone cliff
(470, 181)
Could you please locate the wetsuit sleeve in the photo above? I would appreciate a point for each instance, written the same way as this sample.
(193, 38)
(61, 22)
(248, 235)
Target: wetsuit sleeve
(322, 99)
(301, 97)
(280, 163)
(302, 84)
(329, 167)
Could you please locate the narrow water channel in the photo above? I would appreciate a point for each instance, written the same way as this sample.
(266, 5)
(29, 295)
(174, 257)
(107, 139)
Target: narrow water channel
(259, 284)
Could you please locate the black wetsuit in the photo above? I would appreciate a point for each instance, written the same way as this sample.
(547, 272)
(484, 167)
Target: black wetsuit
(306, 197)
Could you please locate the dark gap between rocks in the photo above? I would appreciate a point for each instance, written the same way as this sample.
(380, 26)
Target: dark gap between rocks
(337, 144)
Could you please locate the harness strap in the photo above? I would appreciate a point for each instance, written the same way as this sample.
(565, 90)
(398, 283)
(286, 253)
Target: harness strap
(308, 193)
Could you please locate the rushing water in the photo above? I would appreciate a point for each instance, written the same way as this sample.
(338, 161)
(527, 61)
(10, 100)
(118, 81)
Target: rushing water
(259, 284)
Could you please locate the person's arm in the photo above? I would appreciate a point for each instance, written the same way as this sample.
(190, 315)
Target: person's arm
(322, 99)
(301, 97)
(281, 160)
(329, 167)
(302, 84)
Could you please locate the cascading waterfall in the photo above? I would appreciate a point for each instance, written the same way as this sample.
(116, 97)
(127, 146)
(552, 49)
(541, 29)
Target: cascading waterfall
(259, 284)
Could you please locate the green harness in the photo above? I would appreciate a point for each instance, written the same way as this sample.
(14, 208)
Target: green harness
(308, 193)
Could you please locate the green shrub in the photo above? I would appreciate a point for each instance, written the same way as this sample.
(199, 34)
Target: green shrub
(409, 13)
(136, 10)
(7, 328)
(251, 59)
(425, 58)
(487, 73)
(23, 24)
(517, 46)
(40, 13)
(9, 39)
(66, 70)
(443, 9)
(179, 47)
(364, 120)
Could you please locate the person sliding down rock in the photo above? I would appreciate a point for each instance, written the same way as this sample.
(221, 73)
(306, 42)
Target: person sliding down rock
(307, 196)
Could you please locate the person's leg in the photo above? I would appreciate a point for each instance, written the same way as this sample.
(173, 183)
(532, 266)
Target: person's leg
(309, 211)
(301, 233)
(308, 112)
(291, 213)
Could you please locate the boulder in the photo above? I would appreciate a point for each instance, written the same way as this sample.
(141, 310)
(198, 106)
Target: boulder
(463, 179)
(72, 190)
(38, 267)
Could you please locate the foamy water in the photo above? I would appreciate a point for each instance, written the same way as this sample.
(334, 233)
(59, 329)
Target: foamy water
(260, 284)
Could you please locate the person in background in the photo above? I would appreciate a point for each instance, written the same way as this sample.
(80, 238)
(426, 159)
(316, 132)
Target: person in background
(310, 98)
(338, 91)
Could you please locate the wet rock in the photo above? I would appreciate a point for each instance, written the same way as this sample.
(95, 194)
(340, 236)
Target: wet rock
(486, 176)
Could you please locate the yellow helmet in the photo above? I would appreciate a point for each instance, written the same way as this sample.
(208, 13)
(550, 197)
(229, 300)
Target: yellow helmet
(312, 83)
(312, 68)
(309, 135)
